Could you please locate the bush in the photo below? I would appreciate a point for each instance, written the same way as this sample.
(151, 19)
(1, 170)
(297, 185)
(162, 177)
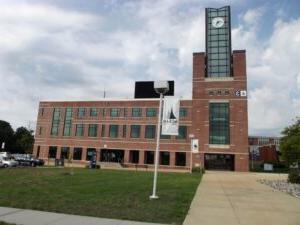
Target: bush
(294, 176)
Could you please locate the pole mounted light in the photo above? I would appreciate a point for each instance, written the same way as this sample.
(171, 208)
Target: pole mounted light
(161, 88)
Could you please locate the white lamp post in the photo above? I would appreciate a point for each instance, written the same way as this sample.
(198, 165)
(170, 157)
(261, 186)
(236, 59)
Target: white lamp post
(161, 87)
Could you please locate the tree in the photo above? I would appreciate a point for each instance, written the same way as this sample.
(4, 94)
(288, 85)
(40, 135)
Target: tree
(290, 143)
(23, 140)
(6, 135)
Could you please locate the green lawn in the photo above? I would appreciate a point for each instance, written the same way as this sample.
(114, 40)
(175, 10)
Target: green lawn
(4, 223)
(100, 193)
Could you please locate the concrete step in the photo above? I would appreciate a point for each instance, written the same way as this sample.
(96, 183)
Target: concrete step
(110, 165)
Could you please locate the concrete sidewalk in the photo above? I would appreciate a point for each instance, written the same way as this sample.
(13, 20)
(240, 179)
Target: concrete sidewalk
(33, 217)
(238, 199)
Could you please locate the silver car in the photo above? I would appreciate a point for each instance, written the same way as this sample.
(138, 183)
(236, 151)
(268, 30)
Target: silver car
(8, 162)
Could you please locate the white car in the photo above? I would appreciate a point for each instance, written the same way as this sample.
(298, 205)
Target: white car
(7, 162)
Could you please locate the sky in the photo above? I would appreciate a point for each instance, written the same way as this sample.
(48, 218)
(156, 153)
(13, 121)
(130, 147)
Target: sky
(75, 49)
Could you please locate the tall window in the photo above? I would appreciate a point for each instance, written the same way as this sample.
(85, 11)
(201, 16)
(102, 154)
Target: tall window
(219, 123)
(136, 112)
(151, 112)
(113, 131)
(103, 130)
(218, 42)
(81, 112)
(55, 122)
(77, 153)
(115, 112)
(68, 122)
(93, 130)
(135, 131)
(79, 130)
(52, 152)
(183, 112)
(65, 151)
(182, 131)
(150, 131)
(90, 153)
(94, 112)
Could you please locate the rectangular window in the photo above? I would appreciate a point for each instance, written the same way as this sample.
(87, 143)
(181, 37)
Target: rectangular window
(180, 158)
(65, 151)
(164, 158)
(183, 112)
(182, 131)
(93, 112)
(52, 152)
(114, 112)
(103, 130)
(150, 131)
(149, 157)
(136, 112)
(113, 131)
(219, 123)
(55, 122)
(151, 112)
(135, 131)
(68, 122)
(77, 153)
(124, 131)
(41, 131)
(90, 153)
(81, 112)
(79, 130)
(93, 130)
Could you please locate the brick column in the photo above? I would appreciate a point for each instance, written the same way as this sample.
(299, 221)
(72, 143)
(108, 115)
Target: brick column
(172, 159)
(58, 152)
(141, 157)
(83, 156)
(98, 153)
(126, 156)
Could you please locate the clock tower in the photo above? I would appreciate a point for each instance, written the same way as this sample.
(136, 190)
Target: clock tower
(218, 42)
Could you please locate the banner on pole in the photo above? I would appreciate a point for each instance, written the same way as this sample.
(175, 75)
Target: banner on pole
(195, 146)
(170, 118)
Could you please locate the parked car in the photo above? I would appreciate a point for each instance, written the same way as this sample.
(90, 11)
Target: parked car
(8, 162)
(28, 160)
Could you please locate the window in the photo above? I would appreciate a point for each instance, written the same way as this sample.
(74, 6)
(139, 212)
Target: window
(114, 112)
(41, 111)
(136, 112)
(65, 151)
(124, 131)
(94, 112)
(80, 130)
(125, 112)
(77, 153)
(183, 112)
(149, 157)
(135, 131)
(113, 131)
(38, 151)
(52, 152)
(55, 122)
(81, 112)
(164, 158)
(182, 131)
(150, 131)
(134, 156)
(219, 123)
(90, 153)
(40, 130)
(151, 112)
(103, 130)
(180, 158)
(68, 122)
(93, 130)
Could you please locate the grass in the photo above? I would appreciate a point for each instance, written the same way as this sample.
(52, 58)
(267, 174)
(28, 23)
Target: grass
(4, 223)
(99, 193)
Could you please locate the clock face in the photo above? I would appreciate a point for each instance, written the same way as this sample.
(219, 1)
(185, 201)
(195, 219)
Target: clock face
(217, 22)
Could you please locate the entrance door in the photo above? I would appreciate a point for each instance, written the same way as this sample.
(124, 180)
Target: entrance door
(219, 162)
(112, 155)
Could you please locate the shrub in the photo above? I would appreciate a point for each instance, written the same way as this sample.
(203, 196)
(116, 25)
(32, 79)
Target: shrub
(294, 176)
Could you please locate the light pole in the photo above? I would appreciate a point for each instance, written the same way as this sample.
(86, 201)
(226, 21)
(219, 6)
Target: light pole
(160, 87)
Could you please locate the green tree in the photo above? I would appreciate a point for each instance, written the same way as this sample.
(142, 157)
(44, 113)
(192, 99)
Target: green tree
(23, 140)
(290, 143)
(6, 135)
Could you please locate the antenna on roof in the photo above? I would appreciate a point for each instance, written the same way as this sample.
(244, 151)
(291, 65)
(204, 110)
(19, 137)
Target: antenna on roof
(104, 93)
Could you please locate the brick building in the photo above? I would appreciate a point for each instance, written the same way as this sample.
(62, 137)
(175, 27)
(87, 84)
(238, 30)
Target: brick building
(125, 130)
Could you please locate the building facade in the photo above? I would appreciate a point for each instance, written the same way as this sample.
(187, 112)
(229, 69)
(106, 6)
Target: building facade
(124, 131)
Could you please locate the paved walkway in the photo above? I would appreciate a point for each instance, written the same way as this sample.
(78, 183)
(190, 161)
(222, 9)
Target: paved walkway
(33, 217)
(238, 199)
